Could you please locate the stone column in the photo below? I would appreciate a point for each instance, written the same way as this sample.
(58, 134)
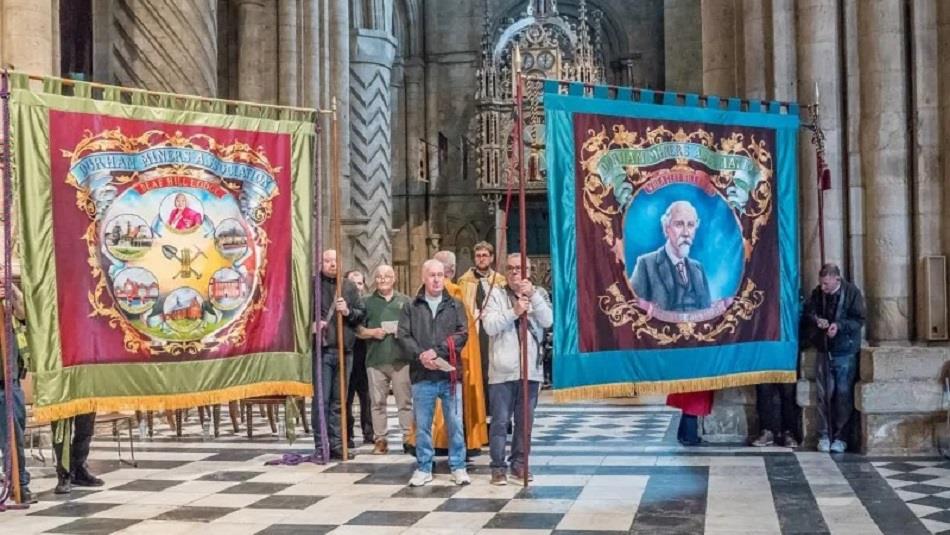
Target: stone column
(818, 53)
(719, 31)
(882, 56)
(288, 52)
(27, 43)
(167, 46)
(373, 52)
(943, 71)
(756, 63)
(415, 117)
(257, 50)
(928, 182)
(784, 54)
(683, 43)
(852, 161)
(311, 64)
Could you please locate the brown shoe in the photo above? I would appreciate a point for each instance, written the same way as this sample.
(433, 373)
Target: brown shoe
(518, 475)
(499, 477)
(382, 447)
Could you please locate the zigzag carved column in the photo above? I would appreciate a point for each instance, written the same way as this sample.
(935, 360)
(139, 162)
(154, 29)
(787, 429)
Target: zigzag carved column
(167, 45)
(371, 148)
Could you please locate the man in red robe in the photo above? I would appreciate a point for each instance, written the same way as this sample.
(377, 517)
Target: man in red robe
(693, 405)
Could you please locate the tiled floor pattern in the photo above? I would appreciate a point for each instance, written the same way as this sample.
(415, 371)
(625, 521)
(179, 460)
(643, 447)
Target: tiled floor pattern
(924, 485)
(599, 468)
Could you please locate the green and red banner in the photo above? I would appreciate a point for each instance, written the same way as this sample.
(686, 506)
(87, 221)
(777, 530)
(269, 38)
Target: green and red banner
(165, 253)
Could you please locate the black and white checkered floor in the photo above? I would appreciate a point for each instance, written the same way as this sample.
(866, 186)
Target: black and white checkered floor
(604, 468)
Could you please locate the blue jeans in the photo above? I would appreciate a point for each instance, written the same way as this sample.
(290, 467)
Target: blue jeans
(505, 401)
(834, 377)
(19, 423)
(424, 394)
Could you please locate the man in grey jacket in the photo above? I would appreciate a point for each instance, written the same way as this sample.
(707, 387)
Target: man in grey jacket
(504, 313)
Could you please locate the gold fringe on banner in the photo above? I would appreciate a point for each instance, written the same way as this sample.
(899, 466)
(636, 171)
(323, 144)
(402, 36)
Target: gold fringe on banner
(648, 388)
(170, 401)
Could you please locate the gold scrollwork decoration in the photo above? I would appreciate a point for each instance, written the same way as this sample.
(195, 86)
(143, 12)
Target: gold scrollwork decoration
(601, 209)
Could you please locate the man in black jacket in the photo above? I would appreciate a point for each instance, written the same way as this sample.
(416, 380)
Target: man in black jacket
(834, 317)
(432, 331)
(350, 308)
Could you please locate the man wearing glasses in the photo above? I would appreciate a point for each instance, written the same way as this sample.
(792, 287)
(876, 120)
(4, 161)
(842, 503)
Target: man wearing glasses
(518, 301)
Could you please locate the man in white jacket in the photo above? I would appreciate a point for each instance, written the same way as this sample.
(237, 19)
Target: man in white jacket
(501, 322)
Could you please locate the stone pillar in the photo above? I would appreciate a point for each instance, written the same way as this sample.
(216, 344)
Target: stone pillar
(288, 52)
(882, 56)
(784, 54)
(257, 50)
(339, 81)
(818, 52)
(855, 193)
(167, 46)
(311, 64)
(683, 43)
(943, 71)
(928, 182)
(756, 63)
(415, 118)
(373, 52)
(719, 31)
(29, 28)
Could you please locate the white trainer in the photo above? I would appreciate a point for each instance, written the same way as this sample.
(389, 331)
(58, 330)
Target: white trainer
(461, 477)
(420, 478)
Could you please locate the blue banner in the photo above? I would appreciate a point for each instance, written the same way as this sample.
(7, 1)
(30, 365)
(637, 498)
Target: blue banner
(674, 246)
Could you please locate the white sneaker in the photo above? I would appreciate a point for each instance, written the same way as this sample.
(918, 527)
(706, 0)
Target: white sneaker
(824, 445)
(838, 446)
(460, 476)
(420, 478)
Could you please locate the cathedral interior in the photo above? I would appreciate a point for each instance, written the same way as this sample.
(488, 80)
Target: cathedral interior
(424, 89)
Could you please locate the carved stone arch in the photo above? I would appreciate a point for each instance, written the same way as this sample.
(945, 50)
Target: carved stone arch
(616, 40)
(407, 27)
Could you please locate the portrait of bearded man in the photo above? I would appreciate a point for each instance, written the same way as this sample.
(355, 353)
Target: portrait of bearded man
(668, 279)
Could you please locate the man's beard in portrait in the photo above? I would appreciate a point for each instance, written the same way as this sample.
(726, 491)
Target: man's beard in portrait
(682, 248)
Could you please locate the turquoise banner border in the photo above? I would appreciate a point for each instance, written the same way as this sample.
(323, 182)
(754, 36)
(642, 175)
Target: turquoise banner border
(732, 364)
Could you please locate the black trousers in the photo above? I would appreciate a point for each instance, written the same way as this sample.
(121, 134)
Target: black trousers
(359, 386)
(688, 430)
(83, 427)
(331, 397)
(775, 404)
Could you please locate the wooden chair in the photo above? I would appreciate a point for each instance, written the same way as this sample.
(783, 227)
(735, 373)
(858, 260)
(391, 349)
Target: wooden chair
(116, 418)
(272, 406)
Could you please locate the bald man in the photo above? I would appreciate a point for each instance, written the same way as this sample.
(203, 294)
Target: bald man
(350, 307)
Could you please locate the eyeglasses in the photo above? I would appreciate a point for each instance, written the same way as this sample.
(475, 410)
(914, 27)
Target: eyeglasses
(385, 277)
(516, 268)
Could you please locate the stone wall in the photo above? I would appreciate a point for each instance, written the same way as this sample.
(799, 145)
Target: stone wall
(900, 397)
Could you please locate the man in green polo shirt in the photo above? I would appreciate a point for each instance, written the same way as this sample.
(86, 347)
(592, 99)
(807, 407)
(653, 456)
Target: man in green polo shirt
(385, 365)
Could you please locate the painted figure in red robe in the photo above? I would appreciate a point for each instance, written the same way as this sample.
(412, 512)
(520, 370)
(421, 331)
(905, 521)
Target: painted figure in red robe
(182, 217)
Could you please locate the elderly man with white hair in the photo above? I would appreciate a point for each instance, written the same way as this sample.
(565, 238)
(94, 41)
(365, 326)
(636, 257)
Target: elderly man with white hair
(386, 366)
(432, 331)
(668, 279)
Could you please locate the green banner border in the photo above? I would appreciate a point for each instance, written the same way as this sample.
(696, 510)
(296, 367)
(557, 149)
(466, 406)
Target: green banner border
(29, 113)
